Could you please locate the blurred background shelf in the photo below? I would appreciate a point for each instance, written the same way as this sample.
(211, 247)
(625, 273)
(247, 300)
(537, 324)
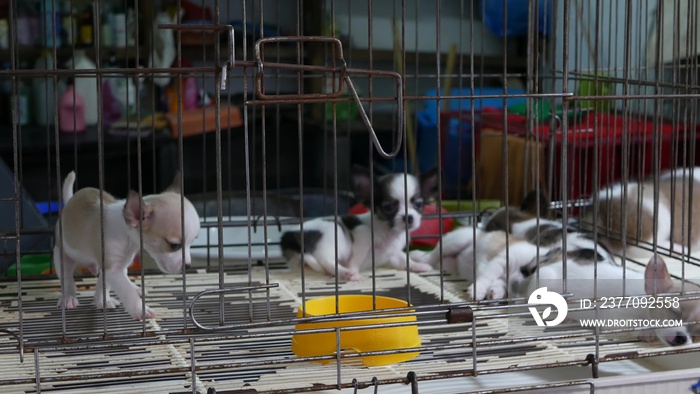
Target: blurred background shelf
(30, 54)
(429, 58)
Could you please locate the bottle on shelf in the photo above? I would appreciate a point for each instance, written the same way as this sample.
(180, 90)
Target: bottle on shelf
(86, 85)
(72, 111)
(44, 91)
(107, 26)
(22, 103)
(28, 24)
(51, 25)
(69, 25)
(111, 106)
(86, 27)
(130, 28)
(120, 30)
(4, 34)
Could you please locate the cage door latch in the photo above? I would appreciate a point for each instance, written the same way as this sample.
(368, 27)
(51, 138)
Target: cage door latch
(231, 62)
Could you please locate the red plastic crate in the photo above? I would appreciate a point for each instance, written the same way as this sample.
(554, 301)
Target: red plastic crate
(600, 134)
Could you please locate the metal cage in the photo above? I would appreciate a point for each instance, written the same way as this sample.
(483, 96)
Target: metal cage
(263, 107)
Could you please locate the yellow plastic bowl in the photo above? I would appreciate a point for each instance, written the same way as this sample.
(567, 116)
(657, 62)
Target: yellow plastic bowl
(361, 340)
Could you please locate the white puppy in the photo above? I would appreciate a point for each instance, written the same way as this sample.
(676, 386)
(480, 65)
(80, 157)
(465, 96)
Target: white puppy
(79, 230)
(588, 278)
(379, 235)
(507, 240)
(486, 258)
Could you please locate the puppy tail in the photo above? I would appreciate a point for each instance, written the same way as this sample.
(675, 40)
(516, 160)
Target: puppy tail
(68, 186)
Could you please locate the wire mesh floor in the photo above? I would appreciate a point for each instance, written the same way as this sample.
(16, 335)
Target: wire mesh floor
(257, 358)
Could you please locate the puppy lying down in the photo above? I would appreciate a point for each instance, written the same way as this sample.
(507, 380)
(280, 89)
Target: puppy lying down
(515, 259)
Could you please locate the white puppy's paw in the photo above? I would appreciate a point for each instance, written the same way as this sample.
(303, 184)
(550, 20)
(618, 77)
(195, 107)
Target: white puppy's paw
(138, 315)
(133, 304)
(418, 255)
(474, 293)
(351, 276)
(497, 290)
(136, 310)
(420, 267)
(68, 302)
(496, 293)
(111, 303)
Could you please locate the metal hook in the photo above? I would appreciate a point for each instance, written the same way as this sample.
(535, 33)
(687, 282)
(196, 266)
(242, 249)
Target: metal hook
(368, 123)
(413, 380)
(223, 76)
(19, 342)
(255, 223)
(343, 77)
(276, 218)
(558, 122)
(354, 385)
(231, 44)
(259, 68)
(231, 57)
(593, 361)
(375, 382)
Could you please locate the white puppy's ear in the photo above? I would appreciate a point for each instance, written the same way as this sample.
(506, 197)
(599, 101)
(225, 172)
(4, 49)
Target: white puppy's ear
(175, 185)
(656, 277)
(133, 206)
(361, 183)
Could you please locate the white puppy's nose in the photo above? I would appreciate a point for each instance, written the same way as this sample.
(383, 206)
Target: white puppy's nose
(409, 220)
(680, 339)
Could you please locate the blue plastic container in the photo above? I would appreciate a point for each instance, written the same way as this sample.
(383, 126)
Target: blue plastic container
(427, 137)
(46, 207)
(517, 14)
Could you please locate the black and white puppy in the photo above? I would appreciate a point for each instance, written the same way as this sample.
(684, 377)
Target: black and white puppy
(379, 235)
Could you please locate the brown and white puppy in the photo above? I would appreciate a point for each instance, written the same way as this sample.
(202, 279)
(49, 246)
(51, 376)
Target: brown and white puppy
(677, 214)
(678, 218)
(586, 277)
(155, 219)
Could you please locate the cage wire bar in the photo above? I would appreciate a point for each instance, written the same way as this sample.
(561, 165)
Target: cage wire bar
(321, 85)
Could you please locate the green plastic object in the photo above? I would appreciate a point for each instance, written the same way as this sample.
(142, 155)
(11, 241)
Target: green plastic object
(588, 86)
(33, 264)
(343, 110)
